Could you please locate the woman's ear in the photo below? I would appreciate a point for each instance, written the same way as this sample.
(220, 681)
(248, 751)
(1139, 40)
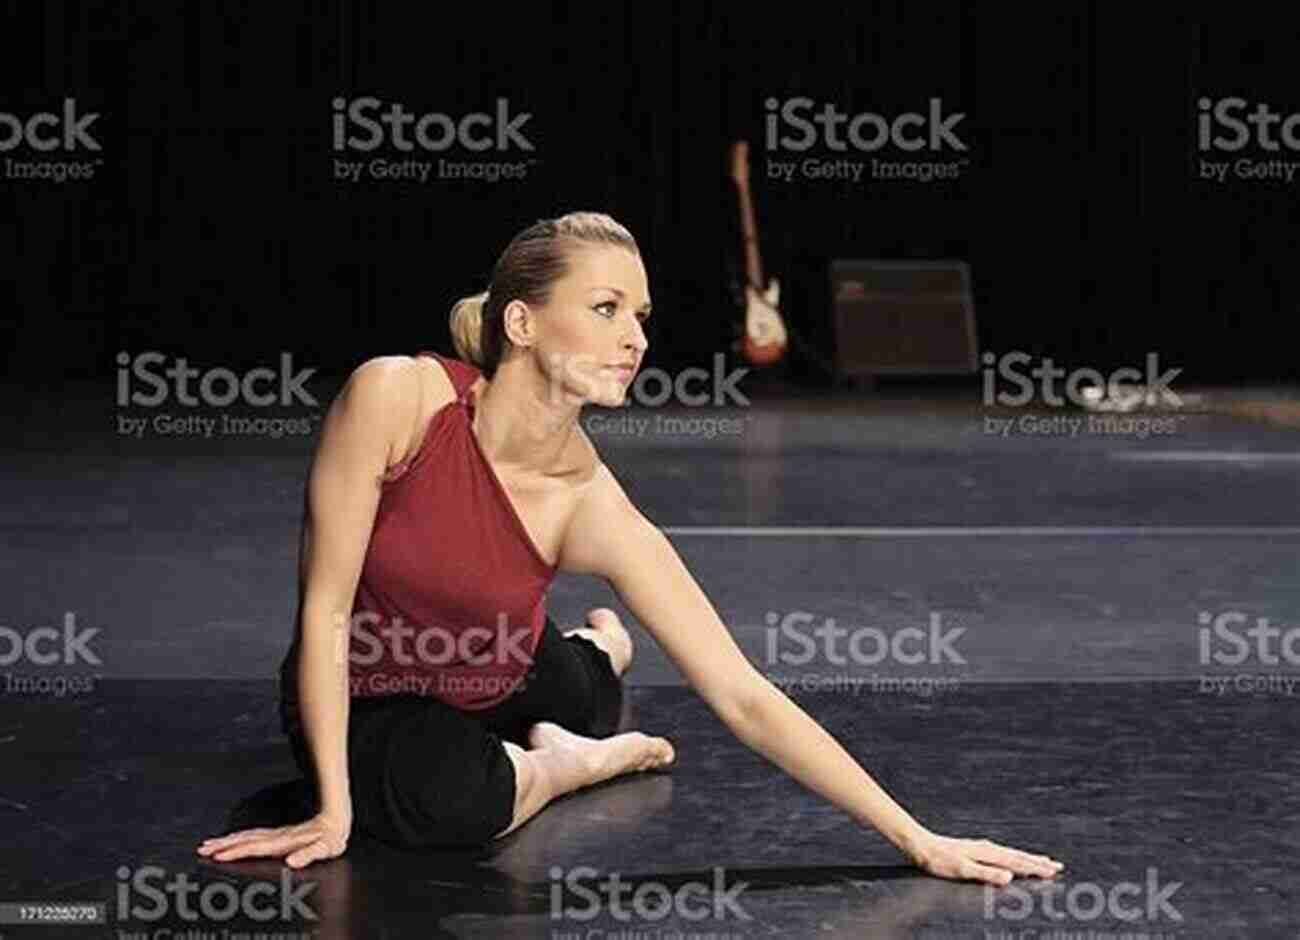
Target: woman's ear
(520, 324)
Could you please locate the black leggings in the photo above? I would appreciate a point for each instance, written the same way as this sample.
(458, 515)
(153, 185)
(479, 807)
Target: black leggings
(424, 774)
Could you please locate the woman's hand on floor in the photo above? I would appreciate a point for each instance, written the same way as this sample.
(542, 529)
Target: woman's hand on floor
(317, 839)
(977, 859)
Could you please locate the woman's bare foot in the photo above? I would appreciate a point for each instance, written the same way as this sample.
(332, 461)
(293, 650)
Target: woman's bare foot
(561, 762)
(606, 630)
(598, 759)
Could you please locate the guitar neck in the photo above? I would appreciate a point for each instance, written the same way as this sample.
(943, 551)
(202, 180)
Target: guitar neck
(753, 263)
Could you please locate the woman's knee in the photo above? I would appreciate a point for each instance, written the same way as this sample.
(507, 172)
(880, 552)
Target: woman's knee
(613, 640)
(598, 690)
(444, 781)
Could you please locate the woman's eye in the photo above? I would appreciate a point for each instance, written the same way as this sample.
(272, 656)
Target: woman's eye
(612, 305)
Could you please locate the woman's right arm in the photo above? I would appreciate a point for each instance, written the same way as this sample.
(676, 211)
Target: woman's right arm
(366, 426)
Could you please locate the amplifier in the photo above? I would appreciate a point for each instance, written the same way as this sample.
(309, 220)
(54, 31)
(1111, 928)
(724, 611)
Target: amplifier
(902, 317)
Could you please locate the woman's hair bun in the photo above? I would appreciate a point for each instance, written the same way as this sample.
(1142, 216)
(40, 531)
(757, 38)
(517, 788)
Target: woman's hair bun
(467, 327)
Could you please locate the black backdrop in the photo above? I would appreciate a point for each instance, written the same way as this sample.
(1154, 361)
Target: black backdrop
(213, 226)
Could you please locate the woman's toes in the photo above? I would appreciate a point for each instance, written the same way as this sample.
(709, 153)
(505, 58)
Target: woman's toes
(658, 753)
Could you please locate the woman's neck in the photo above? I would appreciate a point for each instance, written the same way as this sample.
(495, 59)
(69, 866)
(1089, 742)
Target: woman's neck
(521, 421)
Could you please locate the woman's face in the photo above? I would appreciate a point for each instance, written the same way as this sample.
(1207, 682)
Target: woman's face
(590, 338)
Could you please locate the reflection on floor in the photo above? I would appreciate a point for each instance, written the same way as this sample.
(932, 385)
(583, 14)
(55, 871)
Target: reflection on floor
(1088, 704)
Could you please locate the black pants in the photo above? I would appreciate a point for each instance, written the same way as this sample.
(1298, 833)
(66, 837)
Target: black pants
(423, 773)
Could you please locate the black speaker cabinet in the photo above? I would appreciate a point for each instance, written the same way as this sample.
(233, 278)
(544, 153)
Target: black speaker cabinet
(902, 317)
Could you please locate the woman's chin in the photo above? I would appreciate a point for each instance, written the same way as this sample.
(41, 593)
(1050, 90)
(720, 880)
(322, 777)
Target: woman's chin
(611, 398)
(607, 392)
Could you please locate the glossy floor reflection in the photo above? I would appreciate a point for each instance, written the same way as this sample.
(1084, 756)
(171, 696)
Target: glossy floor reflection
(1145, 789)
(1080, 719)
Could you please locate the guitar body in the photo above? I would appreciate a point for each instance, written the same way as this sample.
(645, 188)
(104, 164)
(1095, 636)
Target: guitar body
(764, 339)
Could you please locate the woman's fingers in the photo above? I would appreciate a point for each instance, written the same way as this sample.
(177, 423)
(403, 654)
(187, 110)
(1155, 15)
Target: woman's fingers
(268, 845)
(986, 873)
(1022, 863)
(982, 860)
(243, 836)
(234, 836)
(258, 842)
(315, 852)
(300, 844)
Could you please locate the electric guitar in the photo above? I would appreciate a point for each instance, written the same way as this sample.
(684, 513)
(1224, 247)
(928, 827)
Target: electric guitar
(764, 341)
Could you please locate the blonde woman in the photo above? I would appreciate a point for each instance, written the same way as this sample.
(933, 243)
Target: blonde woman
(443, 499)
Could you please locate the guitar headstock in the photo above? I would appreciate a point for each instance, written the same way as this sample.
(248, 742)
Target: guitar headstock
(740, 163)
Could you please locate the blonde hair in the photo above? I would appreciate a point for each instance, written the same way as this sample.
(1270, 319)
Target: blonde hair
(533, 261)
(467, 327)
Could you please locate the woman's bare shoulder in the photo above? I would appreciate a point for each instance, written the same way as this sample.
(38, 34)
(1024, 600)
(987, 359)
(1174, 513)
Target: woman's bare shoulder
(414, 387)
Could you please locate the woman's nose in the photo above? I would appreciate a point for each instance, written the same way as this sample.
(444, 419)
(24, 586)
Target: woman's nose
(637, 339)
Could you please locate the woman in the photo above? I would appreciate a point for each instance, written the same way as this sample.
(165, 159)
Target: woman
(448, 496)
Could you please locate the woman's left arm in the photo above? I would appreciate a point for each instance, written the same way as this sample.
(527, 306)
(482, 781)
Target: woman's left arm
(610, 538)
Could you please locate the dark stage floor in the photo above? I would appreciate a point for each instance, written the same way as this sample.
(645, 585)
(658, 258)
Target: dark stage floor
(1101, 700)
